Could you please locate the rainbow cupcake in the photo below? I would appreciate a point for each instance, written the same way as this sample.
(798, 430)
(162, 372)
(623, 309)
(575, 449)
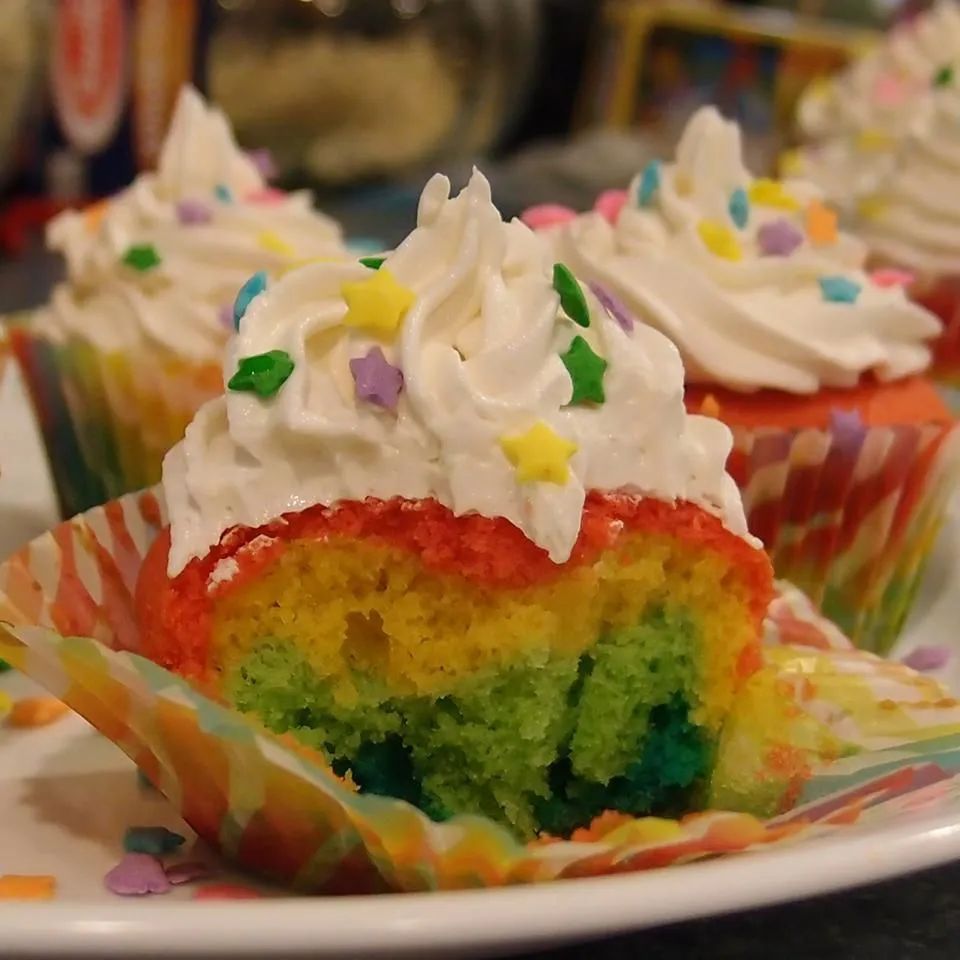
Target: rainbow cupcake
(129, 346)
(843, 450)
(451, 527)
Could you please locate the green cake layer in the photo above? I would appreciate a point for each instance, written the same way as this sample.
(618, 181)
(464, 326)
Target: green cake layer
(544, 745)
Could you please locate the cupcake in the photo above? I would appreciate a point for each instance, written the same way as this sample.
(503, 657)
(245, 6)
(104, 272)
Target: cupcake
(452, 527)
(840, 442)
(129, 345)
(879, 140)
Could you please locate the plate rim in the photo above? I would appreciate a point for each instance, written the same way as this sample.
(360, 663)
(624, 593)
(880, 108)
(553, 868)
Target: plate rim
(412, 923)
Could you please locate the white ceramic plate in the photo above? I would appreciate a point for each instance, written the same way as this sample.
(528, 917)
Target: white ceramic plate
(67, 795)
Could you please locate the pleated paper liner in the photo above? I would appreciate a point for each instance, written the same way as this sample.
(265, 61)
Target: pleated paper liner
(107, 419)
(275, 807)
(851, 515)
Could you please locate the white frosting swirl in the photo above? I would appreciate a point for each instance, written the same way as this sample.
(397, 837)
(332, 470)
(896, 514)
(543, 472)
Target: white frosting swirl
(858, 119)
(179, 304)
(480, 354)
(914, 214)
(760, 321)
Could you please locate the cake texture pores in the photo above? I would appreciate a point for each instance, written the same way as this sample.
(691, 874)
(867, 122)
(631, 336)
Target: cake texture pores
(467, 312)
(749, 277)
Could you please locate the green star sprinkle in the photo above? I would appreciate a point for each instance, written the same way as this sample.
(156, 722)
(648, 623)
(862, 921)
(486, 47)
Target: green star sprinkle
(586, 370)
(263, 374)
(142, 257)
(572, 300)
(374, 263)
(943, 77)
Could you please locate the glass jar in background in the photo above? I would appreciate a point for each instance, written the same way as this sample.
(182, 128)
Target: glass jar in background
(348, 90)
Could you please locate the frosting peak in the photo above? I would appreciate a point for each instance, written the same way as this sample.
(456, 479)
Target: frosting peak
(466, 367)
(750, 278)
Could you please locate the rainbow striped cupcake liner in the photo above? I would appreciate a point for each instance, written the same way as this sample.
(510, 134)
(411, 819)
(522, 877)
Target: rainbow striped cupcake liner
(892, 736)
(850, 514)
(107, 419)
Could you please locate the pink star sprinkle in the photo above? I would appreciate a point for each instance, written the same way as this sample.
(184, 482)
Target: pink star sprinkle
(892, 278)
(610, 203)
(547, 215)
(377, 381)
(136, 875)
(889, 90)
(268, 196)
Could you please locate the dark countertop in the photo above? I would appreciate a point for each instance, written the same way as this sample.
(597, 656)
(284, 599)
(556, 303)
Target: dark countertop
(913, 918)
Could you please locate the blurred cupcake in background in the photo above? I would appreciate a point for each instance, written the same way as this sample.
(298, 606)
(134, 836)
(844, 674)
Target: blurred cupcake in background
(852, 125)
(843, 450)
(128, 347)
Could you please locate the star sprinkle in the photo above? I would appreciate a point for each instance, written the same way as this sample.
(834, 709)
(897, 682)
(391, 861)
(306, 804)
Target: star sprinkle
(266, 196)
(373, 263)
(839, 289)
(193, 212)
(263, 160)
(610, 203)
(821, 224)
(539, 454)
(27, 886)
(378, 305)
(272, 242)
(710, 407)
(779, 238)
(649, 185)
(771, 193)
(889, 90)
(187, 872)
(586, 370)
(847, 430)
(739, 207)
(871, 207)
(545, 215)
(263, 374)
(141, 257)
(891, 277)
(36, 712)
(251, 289)
(227, 891)
(927, 659)
(572, 300)
(377, 381)
(225, 316)
(614, 306)
(223, 193)
(6, 704)
(791, 162)
(4, 666)
(871, 140)
(154, 840)
(719, 240)
(944, 76)
(136, 875)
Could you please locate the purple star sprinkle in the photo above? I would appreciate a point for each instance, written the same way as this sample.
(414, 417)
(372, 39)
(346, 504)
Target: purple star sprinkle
(779, 238)
(187, 872)
(377, 381)
(263, 160)
(193, 212)
(614, 306)
(136, 875)
(926, 659)
(225, 315)
(848, 430)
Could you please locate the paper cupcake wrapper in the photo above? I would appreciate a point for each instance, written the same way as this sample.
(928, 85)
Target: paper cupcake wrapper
(850, 517)
(107, 419)
(274, 807)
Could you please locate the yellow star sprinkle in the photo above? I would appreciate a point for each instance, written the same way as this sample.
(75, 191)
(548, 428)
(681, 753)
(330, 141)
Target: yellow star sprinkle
(870, 139)
(274, 243)
(539, 454)
(377, 305)
(791, 163)
(871, 208)
(771, 193)
(720, 240)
